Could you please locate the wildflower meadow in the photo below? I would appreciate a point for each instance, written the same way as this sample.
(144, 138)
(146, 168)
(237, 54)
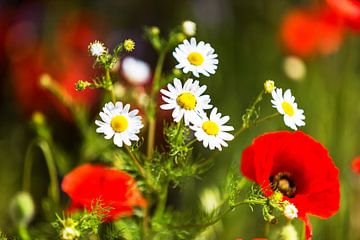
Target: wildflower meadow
(165, 120)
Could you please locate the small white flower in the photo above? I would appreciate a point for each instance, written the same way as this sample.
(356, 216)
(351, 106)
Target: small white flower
(135, 71)
(119, 123)
(196, 58)
(212, 131)
(187, 101)
(97, 49)
(285, 105)
(189, 28)
(290, 211)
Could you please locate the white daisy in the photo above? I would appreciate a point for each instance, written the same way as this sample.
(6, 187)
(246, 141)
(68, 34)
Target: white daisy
(97, 49)
(135, 71)
(212, 131)
(119, 123)
(196, 58)
(290, 211)
(285, 105)
(187, 101)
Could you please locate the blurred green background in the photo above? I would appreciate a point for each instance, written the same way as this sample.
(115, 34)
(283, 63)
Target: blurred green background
(245, 34)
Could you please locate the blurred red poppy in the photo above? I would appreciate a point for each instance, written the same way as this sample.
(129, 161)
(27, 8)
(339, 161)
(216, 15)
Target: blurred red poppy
(348, 10)
(114, 189)
(65, 63)
(307, 32)
(299, 167)
(355, 165)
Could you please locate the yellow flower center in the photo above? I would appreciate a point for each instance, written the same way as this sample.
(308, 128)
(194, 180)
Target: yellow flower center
(119, 123)
(187, 101)
(211, 128)
(195, 58)
(288, 109)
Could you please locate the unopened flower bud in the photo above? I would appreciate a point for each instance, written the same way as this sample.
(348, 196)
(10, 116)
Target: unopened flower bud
(180, 37)
(45, 80)
(277, 197)
(210, 199)
(177, 72)
(154, 30)
(129, 45)
(288, 232)
(189, 28)
(294, 68)
(290, 211)
(69, 233)
(38, 118)
(81, 85)
(22, 208)
(269, 86)
(119, 90)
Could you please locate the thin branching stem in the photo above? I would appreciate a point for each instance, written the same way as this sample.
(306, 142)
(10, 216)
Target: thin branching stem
(153, 104)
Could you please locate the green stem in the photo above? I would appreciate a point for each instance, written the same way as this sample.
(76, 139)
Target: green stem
(50, 162)
(162, 201)
(191, 142)
(153, 105)
(63, 96)
(110, 84)
(136, 161)
(203, 225)
(23, 232)
(243, 128)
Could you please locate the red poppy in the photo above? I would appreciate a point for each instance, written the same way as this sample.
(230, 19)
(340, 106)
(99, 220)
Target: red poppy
(115, 189)
(65, 63)
(299, 167)
(355, 165)
(348, 10)
(307, 32)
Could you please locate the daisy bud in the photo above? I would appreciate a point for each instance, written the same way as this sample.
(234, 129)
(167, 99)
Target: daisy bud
(154, 30)
(269, 86)
(69, 231)
(177, 72)
(81, 85)
(22, 208)
(38, 118)
(288, 233)
(189, 28)
(180, 37)
(45, 80)
(290, 211)
(129, 45)
(210, 199)
(97, 49)
(119, 90)
(294, 68)
(277, 197)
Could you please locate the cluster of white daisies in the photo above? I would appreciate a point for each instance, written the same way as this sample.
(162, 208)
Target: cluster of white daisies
(188, 102)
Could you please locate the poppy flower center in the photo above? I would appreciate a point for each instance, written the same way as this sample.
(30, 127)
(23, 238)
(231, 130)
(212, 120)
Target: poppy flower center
(195, 58)
(187, 101)
(211, 128)
(119, 123)
(288, 109)
(283, 183)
